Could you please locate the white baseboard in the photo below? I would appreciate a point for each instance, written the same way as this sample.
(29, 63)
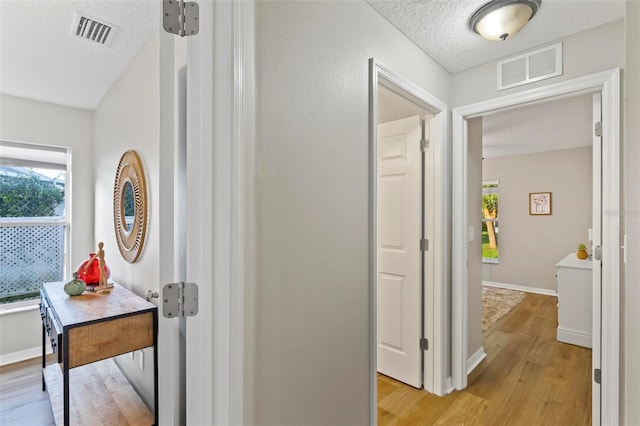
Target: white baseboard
(12, 357)
(574, 337)
(450, 385)
(475, 359)
(524, 288)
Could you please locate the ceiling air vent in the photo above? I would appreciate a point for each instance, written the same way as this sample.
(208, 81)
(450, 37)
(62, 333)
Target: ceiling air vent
(533, 66)
(91, 29)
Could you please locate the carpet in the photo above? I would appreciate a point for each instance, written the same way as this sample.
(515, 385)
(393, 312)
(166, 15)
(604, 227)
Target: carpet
(497, 302)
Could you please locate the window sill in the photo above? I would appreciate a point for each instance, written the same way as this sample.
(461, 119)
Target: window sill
(491, 261)
(21, 306)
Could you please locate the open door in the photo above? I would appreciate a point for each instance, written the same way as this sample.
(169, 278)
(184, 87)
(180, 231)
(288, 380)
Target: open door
(399, 225)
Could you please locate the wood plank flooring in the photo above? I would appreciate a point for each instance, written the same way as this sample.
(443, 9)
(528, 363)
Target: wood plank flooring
(22, 402)
(100, 396)
(528, 378)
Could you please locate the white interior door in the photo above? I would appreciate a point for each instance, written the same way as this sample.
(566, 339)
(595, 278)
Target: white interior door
(596, 261)
(399, 213)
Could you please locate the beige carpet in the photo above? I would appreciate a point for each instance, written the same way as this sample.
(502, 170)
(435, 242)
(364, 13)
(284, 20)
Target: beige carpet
(497, 302)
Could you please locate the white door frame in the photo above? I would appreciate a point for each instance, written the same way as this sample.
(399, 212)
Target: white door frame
(220, 75)
(435, 228)
(608, 83)
(168, 330)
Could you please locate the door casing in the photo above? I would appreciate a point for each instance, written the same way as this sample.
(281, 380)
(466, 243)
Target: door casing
(436, 257)
(608, 84)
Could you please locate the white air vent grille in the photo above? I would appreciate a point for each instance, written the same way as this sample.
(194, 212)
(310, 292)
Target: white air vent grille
(533, 66)
(93, 30)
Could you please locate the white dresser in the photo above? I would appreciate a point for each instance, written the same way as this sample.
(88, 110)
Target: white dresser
(574, 301)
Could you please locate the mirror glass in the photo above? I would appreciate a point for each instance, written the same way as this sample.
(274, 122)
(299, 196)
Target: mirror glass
(129, 205)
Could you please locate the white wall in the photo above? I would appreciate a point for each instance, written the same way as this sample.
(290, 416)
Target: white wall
(630, 374)
(127, 118)
(308, 341)
(588, 52)
(530, 246)
(24, 120)
(474, 248)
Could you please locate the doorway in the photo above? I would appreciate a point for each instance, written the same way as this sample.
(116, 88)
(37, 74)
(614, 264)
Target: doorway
(516, 250)
(605, 232)
(396, 100)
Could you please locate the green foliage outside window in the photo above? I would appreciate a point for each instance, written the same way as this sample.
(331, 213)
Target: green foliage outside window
(489, 224)
(28, 196)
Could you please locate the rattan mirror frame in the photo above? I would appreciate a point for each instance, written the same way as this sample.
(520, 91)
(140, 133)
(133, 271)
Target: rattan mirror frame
(130, 170)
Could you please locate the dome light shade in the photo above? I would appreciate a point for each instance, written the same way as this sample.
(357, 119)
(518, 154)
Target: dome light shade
(501, 19)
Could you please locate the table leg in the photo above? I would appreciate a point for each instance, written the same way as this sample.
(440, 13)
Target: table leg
(44, 356)
(155, 366)
(65, 376)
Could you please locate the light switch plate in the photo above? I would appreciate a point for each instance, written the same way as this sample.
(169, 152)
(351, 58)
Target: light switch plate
(471, 234)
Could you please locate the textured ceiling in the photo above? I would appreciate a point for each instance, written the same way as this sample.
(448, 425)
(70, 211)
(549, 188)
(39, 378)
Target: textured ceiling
(439, 27)
(40, 59)
(549, 126)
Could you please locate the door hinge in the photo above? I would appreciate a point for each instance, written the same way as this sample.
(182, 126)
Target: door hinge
(424, 145)
(597, 375)
(424, 344)
(180, 300)
(180, 17)
(598, 129)
(424, 244)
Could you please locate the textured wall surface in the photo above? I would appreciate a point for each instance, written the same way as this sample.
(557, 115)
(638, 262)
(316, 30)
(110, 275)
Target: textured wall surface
(594, 50)
(474, 197)
(630, 377)
(309, 361)
(530, 246)
(127, 118)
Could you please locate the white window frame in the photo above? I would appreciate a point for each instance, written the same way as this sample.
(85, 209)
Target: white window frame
(492, 260)
(64, 220)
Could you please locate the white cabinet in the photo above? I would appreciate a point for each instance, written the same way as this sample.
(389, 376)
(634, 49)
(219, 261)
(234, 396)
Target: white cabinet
(574, 301)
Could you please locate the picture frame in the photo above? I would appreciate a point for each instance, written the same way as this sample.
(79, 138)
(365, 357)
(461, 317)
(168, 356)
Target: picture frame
(539, 203)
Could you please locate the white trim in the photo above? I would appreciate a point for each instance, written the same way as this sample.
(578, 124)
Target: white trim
(55, 221)
(24, 355)
(608, 82)
(203, 255)
(524, 288)
(475, 359)
(449, 386)
(434, 299)
(243, 137)
(221, 101)
(574, 337)
(20, 306)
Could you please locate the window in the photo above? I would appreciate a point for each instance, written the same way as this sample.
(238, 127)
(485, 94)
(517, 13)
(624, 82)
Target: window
(34, 224)
(490, 221)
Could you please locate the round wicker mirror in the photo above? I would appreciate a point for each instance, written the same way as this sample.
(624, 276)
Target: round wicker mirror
(130, 206)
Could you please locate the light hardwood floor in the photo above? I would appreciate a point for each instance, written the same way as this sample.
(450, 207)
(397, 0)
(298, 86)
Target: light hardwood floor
(528, 378)
(22, 401)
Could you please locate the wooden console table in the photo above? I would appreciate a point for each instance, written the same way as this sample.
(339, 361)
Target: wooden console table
(88, 328)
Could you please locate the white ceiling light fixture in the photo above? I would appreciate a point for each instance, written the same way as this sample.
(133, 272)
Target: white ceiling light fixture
(501, 19)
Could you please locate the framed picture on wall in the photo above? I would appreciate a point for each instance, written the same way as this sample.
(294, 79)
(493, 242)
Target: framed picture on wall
(539, 203)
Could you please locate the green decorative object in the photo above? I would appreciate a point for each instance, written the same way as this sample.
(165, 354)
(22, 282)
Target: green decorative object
(75, 287)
